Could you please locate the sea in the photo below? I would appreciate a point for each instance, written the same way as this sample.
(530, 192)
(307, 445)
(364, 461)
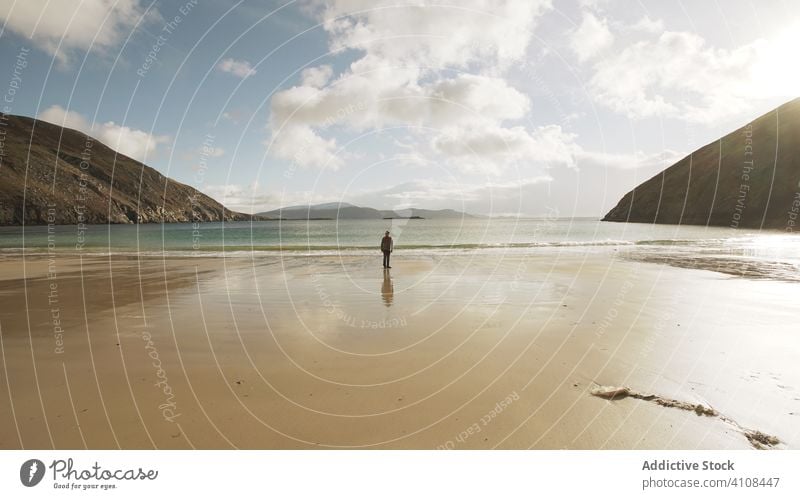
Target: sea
(752, 253)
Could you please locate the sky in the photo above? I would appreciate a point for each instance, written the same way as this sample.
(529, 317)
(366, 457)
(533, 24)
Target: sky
(503, 108)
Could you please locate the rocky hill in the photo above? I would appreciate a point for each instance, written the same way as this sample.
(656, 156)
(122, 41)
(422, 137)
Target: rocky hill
(51, 174)
(747, 179)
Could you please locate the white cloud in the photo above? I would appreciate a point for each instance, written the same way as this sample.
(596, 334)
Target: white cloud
(627, 161)
(543, 148)
(497, 198)
(491, 198)
(240, 68)
(137, 144)
(471, 97)
(253, 198)
(57, 115)
(244, 198)
(364, 101)
(474, 148)
(411, 159)
(414, 194)
(73, 24)
(131, 142)
(428, 33)
(591, 38)
(524, 195)
(648, 25)
(678, 75)
(299, 144)
(398, 79)
(593, 4)
(316, 77)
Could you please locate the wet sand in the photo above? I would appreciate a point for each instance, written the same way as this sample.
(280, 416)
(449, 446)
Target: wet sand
(468, 351)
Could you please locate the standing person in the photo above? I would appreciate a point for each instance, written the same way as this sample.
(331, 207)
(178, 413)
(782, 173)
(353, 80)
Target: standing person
(387, 246)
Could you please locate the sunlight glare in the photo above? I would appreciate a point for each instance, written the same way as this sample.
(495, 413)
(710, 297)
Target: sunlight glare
(777, 72)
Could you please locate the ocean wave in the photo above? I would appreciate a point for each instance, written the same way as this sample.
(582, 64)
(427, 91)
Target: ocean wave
(243, 250)
(234, 249)
(682, 242)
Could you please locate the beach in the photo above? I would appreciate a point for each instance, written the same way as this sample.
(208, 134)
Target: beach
(470, 350)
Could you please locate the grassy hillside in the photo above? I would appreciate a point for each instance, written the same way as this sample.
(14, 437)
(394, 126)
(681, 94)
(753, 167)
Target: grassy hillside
(747, 179)
(59, 175)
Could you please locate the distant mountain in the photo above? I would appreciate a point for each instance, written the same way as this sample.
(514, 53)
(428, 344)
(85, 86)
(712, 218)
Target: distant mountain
(326, 210)
(347, 211)
(59, 175)
(749, 178)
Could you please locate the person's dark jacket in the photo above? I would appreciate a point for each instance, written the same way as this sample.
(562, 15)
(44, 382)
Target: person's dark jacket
(387, 244)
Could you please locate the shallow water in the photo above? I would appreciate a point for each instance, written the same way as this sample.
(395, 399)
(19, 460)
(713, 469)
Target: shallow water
(759, 254)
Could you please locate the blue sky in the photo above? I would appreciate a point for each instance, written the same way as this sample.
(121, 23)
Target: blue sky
(494, 107)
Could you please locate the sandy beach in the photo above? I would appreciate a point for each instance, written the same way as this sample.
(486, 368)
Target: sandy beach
(469, 351)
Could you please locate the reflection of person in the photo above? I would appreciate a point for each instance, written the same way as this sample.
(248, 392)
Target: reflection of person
(387, 246)
(387, 288)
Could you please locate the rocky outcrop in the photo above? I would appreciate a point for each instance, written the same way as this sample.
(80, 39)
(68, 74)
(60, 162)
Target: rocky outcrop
(51, 174)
